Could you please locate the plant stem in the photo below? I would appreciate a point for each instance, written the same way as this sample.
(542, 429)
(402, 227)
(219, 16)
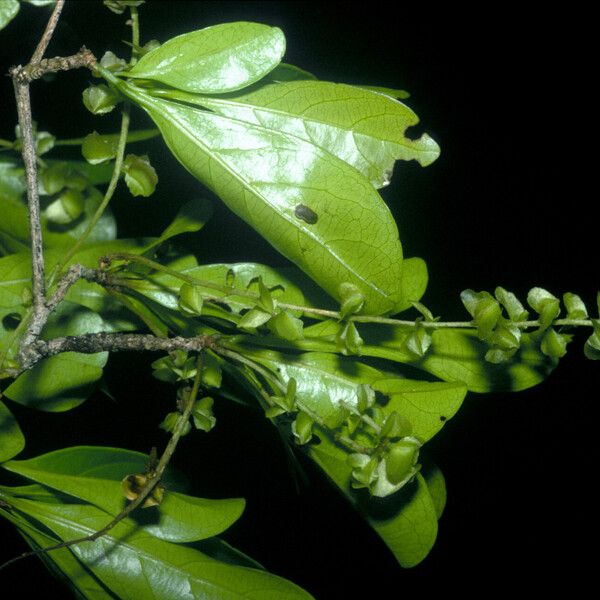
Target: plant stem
(109, 191)
(47, 36)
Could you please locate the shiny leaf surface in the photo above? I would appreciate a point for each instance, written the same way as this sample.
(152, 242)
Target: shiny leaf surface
(94, 474)
(214, 60)
(262, 175)
(133, 564)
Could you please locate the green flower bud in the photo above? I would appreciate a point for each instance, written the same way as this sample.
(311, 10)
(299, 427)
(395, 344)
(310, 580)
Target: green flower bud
(100, 99)
(140, 176)
(396, 426)
(554, 344)
(286, 327)
(202, 414)
(190, 299)
(98, 148)
(352, 300)
(302, 428)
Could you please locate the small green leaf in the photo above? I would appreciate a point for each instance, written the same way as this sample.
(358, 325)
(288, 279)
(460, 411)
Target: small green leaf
(98, 148)
(484, 309)
(349, 340)
(419, 341)
(191, 217)
(66, 208)
(286, 327)
(170, 422)
(253, 318)
(545, 304)
(396, 426)
(214, 60)
(203, 416)
(575, 307)
(554, 344)
(591, 348)
(516, 311)
(190, 299)
(100, 99)
(352, 300)
(120, 6)
(265, 297)
(140, 176)
(400, 461)
(302, 428)
(12, 440)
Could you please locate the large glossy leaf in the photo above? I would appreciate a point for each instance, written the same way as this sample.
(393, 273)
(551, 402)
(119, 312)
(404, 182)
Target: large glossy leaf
(11, 436)
(406, 520)
(426, 405)
(134, 565)
(214, 60)
(64, 381)
(364, 128)
(314, 208)
(456, 355)
(94, 474)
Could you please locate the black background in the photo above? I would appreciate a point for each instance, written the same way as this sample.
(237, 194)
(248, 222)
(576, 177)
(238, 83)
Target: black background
(512, 201)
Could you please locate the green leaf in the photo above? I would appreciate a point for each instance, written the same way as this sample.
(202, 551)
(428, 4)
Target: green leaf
(66, 208)
(190, 299)
(94, 474)
(140, 176)
(406, 520)
(262, 175)
(545, 304)
(457, 355)
(326, 384)
(64, 381)
(64, 564)
(436, 485)
(514, 308)
(454, 355)
(12, 440)
(14, 224)
(134, 565)
(286, 327)
(8, 11)
(191, 217)
(214, 60)
(364, 128)
(591, 348)
(554, 344)
(575, 306)
(426, 405)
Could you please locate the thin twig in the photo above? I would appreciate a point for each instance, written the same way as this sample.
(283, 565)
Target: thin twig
(47, 36)
(150, 484)
(116, 174)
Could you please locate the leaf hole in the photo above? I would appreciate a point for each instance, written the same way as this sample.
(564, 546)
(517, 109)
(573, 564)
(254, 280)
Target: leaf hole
(443, 418)
(11, 321)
